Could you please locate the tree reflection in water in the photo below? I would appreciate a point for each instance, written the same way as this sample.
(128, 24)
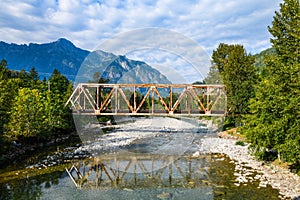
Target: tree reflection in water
(30, 187)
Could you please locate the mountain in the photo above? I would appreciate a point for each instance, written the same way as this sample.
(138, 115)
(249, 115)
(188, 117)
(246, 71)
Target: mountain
(259, 58)
(118, 69)
(70, 60)
(61, 54)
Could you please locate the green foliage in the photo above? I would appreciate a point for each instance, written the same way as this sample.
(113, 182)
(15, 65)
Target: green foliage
(3, 94)
(97, 78)
(4, 72)
(286, 32)
(240, 143)
(214, 76)
(239, 76)
(58, 83)
(27, 115)
(259, 58)
(275, 119)
(4, 102)
(58, 91)
(30, 108)
(138, 99)
(33, 75)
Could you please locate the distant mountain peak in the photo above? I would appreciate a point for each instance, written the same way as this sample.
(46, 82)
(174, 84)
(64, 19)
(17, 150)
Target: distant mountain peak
(63, 55)
(64, 42)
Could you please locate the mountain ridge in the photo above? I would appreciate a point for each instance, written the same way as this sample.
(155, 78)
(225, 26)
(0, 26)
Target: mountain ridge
(63, 55)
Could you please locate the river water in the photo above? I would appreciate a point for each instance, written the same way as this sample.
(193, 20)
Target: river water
(140, 160)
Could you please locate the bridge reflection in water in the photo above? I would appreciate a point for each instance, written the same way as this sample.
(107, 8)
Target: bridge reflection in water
(141, 171)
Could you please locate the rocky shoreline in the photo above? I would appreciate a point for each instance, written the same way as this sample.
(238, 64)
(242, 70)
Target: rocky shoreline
(282, 179)
(16, 153)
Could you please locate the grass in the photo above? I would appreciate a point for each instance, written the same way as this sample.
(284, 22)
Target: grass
(240, 143)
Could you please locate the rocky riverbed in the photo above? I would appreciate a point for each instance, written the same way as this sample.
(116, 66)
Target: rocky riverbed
(288, 183)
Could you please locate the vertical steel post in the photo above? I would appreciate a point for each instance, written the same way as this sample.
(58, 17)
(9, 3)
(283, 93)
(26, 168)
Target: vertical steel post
(98, 96)
(152, 90)
(188, 101)
(171, 101)
(116, 99)
(134, 98)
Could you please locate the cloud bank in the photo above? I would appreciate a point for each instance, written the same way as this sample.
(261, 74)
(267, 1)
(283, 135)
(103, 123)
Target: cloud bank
(88, 23)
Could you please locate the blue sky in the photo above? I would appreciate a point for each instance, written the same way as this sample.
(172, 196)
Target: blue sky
(88, 23)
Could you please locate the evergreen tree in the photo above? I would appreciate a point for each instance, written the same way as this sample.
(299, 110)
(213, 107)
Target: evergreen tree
(33, 74)
(239, 76)
(275, 120)
(27, 116)
(3, 94)
(285, 30)
(8, 89)
(3, 100)
(214, 76)
(59, 89)
(4, 72)
(58, 83)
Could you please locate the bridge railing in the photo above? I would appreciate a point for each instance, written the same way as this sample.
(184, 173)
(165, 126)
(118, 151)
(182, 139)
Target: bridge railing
(148, 99)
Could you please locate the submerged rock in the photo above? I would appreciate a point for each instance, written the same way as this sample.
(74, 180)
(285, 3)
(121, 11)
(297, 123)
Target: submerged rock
(164, 196)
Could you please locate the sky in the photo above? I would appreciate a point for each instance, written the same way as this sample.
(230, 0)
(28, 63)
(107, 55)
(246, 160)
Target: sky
(89, 23)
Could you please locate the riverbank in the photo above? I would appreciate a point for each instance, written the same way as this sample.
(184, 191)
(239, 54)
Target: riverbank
(280, 178)
(15, 153)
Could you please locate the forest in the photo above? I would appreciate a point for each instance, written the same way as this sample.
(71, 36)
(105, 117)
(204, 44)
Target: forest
(264, 101)
(32, 110)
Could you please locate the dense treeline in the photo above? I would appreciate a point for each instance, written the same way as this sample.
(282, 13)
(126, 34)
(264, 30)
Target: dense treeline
(32, 110)
(235, 68)
(274, 123)
(264, 101)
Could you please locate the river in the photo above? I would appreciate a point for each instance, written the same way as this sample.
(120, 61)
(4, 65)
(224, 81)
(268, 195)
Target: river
(144, 159)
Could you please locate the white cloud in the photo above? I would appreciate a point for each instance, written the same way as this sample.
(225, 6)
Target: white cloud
(207, 22)
(87, 23)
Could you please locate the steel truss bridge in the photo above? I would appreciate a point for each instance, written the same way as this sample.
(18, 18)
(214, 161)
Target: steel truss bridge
(148, 99)
(140, 171)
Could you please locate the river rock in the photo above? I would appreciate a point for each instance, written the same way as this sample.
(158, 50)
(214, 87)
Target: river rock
(164, 196)
(282, 179)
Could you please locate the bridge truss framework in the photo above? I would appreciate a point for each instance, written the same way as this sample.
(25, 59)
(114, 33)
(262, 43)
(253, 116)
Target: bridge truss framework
(148, 99)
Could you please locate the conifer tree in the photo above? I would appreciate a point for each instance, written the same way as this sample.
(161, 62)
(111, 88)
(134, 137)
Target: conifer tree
(59, 89)
(27, 116)
(275, 120)
(239, 76)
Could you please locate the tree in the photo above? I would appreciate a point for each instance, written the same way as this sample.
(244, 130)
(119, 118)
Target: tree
(33, 74)
(4, 72)
(286, 32)
(3, 100)
(27, 116)
(58, 83)
(8, 89)
(59, 89)
(138, 99)
(275, 119)
(3, 94)
(239, 76)
(214, 76)
(97, 78)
